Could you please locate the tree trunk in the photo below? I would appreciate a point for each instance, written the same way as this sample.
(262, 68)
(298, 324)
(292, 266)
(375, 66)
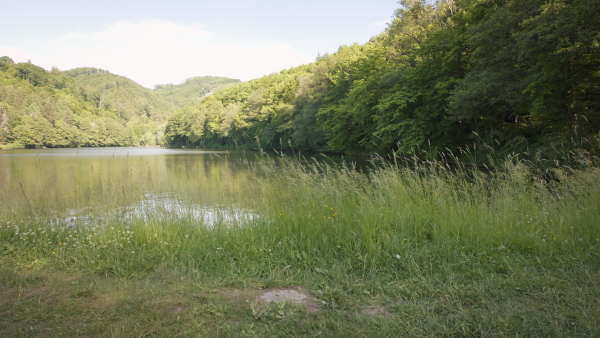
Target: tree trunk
(569, 118)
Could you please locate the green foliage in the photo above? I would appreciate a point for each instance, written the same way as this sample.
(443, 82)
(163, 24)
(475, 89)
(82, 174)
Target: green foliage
(254, 114)
(511, 74)
(35, 75)
(192, 90)
(347, 115)
(123, 97)
(559, 44)
(80, 107)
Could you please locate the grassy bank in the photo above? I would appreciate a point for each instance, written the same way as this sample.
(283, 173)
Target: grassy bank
(415, 250)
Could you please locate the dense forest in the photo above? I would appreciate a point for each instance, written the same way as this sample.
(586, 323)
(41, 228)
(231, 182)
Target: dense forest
(504, 74)
(507, 75)
(86, 107)
(192, 90)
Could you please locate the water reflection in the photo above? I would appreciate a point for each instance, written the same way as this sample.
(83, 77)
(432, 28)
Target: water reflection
(155, 206)
(130, 182)
(166, 206)
(79, 184)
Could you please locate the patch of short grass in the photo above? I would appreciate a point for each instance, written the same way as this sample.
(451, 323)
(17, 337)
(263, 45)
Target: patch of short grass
(532, 300)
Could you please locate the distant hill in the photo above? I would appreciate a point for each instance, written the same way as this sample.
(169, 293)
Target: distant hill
(123, 96)
(190, 92)
(89, 107)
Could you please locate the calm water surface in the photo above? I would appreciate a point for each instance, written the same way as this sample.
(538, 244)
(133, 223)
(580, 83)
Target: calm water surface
(130, 182)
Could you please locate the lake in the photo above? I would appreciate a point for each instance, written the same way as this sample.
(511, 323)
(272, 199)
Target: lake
(78, 184)
(129, 182)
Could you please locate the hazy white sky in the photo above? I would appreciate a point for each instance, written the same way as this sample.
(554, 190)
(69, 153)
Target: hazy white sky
(155, 42)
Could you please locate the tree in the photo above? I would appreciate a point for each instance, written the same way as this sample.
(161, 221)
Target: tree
(560, 47)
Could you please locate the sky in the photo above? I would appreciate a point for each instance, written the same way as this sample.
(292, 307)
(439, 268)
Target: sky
(159, 42)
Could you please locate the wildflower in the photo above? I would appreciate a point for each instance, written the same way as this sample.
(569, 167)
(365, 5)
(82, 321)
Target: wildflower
(398, 256)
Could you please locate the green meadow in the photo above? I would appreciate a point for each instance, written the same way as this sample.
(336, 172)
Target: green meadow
(403, 248)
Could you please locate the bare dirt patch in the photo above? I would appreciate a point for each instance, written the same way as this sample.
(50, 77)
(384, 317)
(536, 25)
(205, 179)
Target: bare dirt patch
(284, 295)
(290, 295)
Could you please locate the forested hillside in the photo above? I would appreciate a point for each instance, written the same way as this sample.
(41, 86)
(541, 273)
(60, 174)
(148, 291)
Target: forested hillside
(122, 95)
(88, 106)
(81, 107)
(192, 90)
(509, 74)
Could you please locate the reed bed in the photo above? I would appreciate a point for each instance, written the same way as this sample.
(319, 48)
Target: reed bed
(309, 215)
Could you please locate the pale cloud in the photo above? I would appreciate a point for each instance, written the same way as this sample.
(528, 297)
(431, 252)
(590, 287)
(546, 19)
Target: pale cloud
(158, 51)
(381, 23)
(18, 54)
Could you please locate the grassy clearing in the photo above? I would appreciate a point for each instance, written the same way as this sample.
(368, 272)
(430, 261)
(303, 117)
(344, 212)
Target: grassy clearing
(415, 250)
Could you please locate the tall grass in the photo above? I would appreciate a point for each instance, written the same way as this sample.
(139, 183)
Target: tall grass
(392, 219)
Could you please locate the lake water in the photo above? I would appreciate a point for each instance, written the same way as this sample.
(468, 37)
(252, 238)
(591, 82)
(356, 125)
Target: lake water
(78, 184)
(127, 182)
